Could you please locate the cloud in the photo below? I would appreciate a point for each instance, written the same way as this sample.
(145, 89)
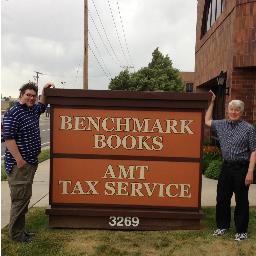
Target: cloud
(47, 36)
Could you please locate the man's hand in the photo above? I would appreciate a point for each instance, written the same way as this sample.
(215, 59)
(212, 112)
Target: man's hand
(213, 96)
(20, 162)
(208, 113)
(46, 86)
(49, 85)
(249, 178)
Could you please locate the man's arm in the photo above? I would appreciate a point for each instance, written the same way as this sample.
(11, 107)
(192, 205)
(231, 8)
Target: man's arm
(208, 114)
(13, 148)
(249, 176)
(42, 98)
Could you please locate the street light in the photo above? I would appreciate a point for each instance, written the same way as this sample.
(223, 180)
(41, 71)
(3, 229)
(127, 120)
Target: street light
(221, 78)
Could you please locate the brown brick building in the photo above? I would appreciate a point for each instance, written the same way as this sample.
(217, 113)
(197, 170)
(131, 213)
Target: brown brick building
(188, 79)
(225, 55)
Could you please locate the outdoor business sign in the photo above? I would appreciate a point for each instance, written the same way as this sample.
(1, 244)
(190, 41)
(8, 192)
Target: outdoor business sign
(125, 160)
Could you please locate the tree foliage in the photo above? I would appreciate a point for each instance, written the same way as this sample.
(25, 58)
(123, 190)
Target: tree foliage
(158, 75)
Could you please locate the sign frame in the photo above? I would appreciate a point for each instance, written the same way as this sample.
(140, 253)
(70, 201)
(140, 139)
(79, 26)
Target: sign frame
(98, 216)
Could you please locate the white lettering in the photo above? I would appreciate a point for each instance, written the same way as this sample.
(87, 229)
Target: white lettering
(66, 123)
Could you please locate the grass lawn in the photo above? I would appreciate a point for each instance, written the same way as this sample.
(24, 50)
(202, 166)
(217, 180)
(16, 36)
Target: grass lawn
(59, 242)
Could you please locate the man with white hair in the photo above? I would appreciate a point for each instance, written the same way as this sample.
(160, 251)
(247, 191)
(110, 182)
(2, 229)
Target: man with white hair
(237, 140)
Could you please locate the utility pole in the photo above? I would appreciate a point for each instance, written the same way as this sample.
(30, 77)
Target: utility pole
(37, 76)
(85, 73)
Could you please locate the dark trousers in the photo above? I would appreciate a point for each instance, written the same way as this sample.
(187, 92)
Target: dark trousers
(20, 182)
(232, 180)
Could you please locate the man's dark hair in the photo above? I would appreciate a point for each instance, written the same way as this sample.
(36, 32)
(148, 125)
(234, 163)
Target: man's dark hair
(28, 86)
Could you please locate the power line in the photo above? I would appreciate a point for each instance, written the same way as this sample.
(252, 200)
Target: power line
(117, 33)
(98, 61)
(105, 32)
(62, 76)
(99, 53)
(126, 44)
(56, 75)
(116, 61)
(77, 72)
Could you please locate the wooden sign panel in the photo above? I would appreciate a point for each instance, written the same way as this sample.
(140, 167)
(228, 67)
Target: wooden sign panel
(125, 182)
(134, 156)
(119, 132)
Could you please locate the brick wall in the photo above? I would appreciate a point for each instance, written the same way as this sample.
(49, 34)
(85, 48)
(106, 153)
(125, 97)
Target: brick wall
(187, 77)
(230, 46)
(244, 88)
(245, 35)
(214, 51)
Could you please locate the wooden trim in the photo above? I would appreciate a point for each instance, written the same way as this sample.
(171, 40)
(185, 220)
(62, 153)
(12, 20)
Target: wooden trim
(146, 224)
(126, 157)
(104, 94)
(121, 103)
(131, 108)
(201, 159)
(51, 154)
(120, 207)
(154, 213)
(155, 220)
(158, 100)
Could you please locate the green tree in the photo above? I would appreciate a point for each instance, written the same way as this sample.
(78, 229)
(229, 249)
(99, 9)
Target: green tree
(158, 75)
(121, 82)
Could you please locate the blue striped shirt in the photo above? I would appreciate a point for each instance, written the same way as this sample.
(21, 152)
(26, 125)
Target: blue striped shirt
(21, 123)
(237, 139)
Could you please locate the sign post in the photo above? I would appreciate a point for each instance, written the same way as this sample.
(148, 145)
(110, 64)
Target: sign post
(125, 160)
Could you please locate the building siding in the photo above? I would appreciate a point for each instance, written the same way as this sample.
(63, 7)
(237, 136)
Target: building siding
(229, 46)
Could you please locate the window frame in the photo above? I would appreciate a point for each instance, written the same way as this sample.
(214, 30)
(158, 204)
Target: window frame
(208, 19)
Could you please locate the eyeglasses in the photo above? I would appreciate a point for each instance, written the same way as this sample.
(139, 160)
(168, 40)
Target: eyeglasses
(31, 95)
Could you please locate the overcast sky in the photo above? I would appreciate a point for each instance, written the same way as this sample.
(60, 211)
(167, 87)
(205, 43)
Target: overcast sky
(47, 36)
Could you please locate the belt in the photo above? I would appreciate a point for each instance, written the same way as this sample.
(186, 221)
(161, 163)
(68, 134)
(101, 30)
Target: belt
(239, 162)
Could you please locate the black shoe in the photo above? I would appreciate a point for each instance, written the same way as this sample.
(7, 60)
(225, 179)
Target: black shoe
(25, 239)
(29, 234)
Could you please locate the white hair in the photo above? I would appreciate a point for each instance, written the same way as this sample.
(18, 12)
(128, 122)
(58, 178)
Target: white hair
(237, 104)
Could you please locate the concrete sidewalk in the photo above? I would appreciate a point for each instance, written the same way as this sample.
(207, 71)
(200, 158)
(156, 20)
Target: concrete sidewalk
(40, 196)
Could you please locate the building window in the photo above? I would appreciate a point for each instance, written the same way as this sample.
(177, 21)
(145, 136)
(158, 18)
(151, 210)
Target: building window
(212, 10)
(189, 87)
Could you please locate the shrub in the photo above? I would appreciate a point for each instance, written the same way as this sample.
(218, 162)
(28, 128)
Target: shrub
(207, 142)
(208, 157)
(3, 173)
(44, 155)
(213, 170)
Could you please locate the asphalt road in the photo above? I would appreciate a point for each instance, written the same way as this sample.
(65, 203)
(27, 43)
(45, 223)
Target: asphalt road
(44, 130)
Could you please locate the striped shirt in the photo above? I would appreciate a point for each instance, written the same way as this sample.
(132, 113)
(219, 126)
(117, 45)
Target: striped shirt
(21, 123)
(237, 139)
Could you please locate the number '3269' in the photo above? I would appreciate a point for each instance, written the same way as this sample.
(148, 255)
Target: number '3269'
(123, 221)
